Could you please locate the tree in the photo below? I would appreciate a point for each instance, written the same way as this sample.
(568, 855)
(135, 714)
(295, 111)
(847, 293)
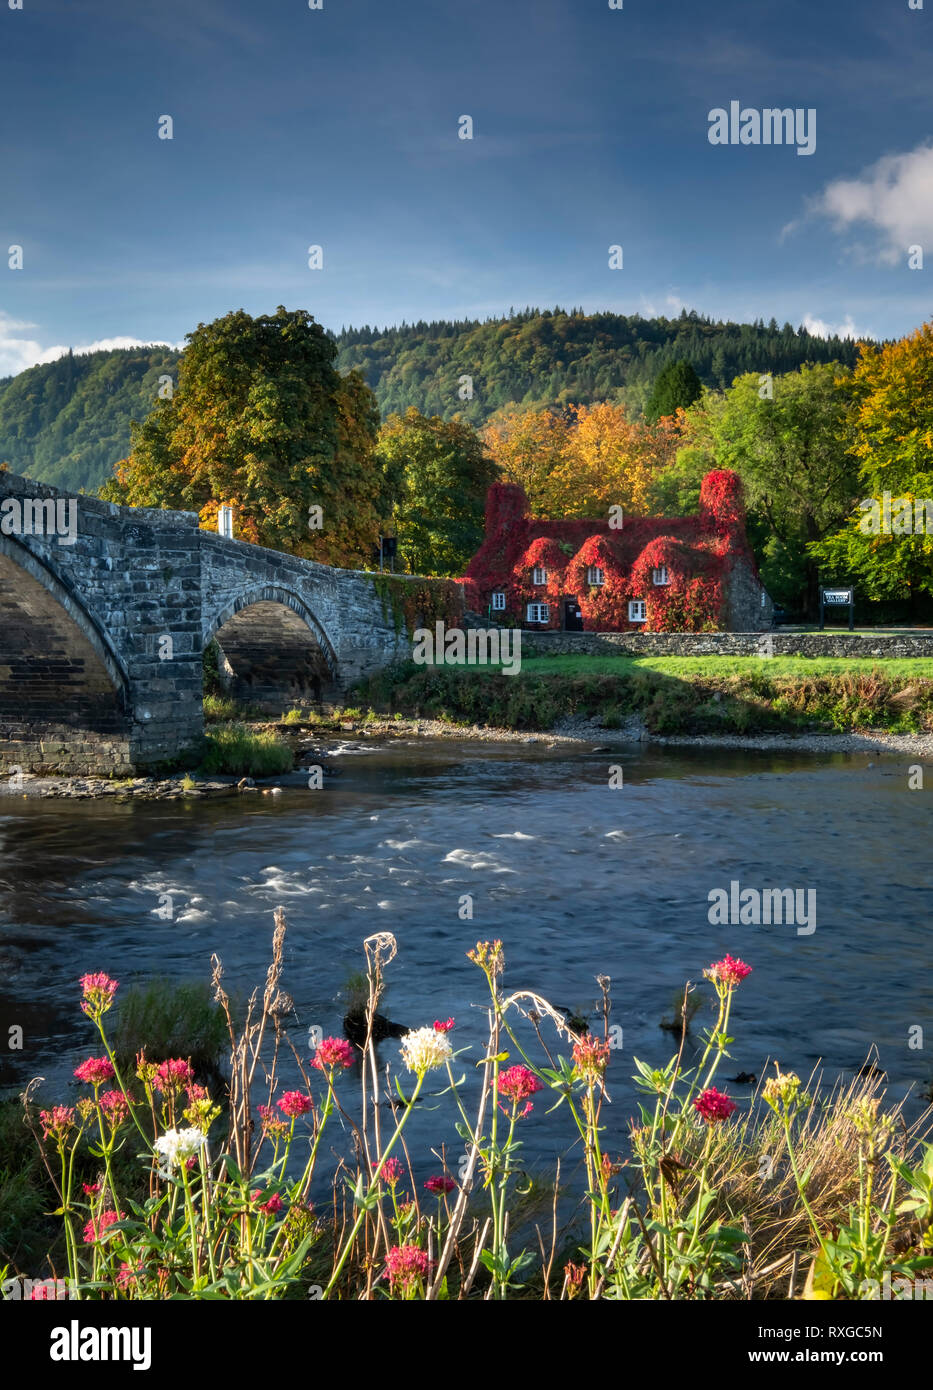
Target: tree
(887, 542)
(792, 449)
(262, 422)
(528, 447)
(440, 474)
(675, 388)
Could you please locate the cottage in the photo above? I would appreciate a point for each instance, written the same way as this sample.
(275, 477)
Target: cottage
(654, 574)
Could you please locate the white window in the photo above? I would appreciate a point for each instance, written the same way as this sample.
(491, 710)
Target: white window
(498, 602)
(594, 575)
(637, 610)
(538, 612)
(540, 575)
(660, 575)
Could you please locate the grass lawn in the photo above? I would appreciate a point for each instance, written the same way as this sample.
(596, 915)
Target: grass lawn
(720, 667)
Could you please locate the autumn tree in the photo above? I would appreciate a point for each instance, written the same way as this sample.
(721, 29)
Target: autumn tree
(261, 421)
(440, 474)
(528, 447)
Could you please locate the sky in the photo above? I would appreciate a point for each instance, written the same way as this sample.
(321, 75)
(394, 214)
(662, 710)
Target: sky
(340, 127)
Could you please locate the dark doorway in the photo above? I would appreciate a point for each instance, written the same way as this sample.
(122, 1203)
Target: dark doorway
(573, 618)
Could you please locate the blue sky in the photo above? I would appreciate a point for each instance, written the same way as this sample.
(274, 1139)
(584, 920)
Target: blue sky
(339, 127)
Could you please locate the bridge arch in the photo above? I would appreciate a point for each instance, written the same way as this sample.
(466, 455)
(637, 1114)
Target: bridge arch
(274, 649)
(64, 692)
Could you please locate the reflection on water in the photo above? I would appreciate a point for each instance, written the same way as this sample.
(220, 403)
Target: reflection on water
(576, 878)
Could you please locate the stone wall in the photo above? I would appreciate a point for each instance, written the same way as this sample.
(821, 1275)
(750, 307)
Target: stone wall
(728, 644)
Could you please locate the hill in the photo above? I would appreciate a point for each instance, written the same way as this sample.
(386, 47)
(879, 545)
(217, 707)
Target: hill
(67, 422)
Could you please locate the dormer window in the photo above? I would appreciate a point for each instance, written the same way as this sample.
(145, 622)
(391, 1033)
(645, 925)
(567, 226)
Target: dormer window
(637, 610)
(539, 575)
(594, 575)
(498, 602)
(659, 575)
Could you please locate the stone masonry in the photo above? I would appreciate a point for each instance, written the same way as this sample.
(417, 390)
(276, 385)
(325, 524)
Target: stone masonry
(102, 631)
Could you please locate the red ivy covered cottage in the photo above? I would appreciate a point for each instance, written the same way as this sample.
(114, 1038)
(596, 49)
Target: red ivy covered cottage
(654, 574)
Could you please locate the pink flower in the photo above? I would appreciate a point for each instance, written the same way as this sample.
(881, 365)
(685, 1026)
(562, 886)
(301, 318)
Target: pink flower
(50, 1289)
(443, 1027)
(713, 1105)
(91, 1188)
(590, 1058)
(56, 1122)
(440, 1185)
(96, 1070)
(115, 1106)
(173, 1074)
(331, 1053)
(728, 971)
(294, 1103)
(98, 992)
(98, 1226)
(273, 1205)
(392, 1171)
(271, 1124)
(517, 1084)
(406, 1266)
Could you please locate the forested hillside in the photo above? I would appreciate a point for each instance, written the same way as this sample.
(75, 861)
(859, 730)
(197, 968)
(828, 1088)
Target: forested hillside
(550, 357)
(67, 422)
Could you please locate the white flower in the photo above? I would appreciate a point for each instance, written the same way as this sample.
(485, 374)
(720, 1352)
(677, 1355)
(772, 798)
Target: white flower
(177, 1145)
(425, 1048)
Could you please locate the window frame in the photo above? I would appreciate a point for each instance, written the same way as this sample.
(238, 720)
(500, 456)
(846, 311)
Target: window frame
(497, 606)
(660, 583)
(592, 570)
(640, 603)
(543, 612)
(535, 571)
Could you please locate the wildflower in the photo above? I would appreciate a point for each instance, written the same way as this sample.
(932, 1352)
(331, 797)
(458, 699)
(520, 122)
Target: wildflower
(575, 1275)
(293, 1103)
(590, 1059)
(299, 1222)
(178, 1145)
(98, 1226)
(272, 1125)
(714, 1105)
(443, 1027)
(425, 1048)
(728, 971)
(195, 1092)
(98, 993)
(127, 1276)
(270, 1207)
(202, 1112)
(116, 1107)
(517, 1084)
(57, 1122)
(85, 1108)
(332, 1053)
(172, 1075)
(406, 1266)
(91, 1189)
(440, 1185)
(489, 956)
(783, 1090)
(874, 1130)
(392, 1171)
(52, 1290)
(95, 1071)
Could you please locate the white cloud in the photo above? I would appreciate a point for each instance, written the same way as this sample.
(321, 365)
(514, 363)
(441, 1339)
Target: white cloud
(894, 196)
(821, 329)
(18, 351)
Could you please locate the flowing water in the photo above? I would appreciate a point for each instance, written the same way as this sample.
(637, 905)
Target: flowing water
(578, 878)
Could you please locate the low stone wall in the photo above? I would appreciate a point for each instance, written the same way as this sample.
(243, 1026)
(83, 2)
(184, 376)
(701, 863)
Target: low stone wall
(886, 644)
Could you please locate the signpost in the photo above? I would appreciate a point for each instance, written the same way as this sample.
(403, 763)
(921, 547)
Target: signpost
(387, 550)
(837, 597)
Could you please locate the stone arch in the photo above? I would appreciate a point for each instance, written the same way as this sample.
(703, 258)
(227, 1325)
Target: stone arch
(64, 693)
(274, 649)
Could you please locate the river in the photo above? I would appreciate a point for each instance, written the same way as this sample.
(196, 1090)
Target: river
(577, 878)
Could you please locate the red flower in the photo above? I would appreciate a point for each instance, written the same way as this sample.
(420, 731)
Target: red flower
(98, 1226)
(293, 1103)
(728, 971)
(517, 1084)
(713, 1105)
(392, 1171)
(57, 1121)
(440, 1185)
(406, 1266)
(331, 1053)
(443, 1027)
(50, 1289)
(96, 1070)
(115, 1106)
(91, 1188)
(270, 1207)
(590, 1059)
(173, 1074)
(98, 992)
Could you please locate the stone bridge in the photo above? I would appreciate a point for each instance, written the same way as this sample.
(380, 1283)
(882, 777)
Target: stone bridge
(105, 613)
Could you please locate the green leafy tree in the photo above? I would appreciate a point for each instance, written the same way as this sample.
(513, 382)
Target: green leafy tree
(262, 421)
(676, 387)
(440, 473)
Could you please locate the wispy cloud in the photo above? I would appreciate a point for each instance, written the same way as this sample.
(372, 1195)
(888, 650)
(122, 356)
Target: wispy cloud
(17, 352)
(892, 198)
(821, 329)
